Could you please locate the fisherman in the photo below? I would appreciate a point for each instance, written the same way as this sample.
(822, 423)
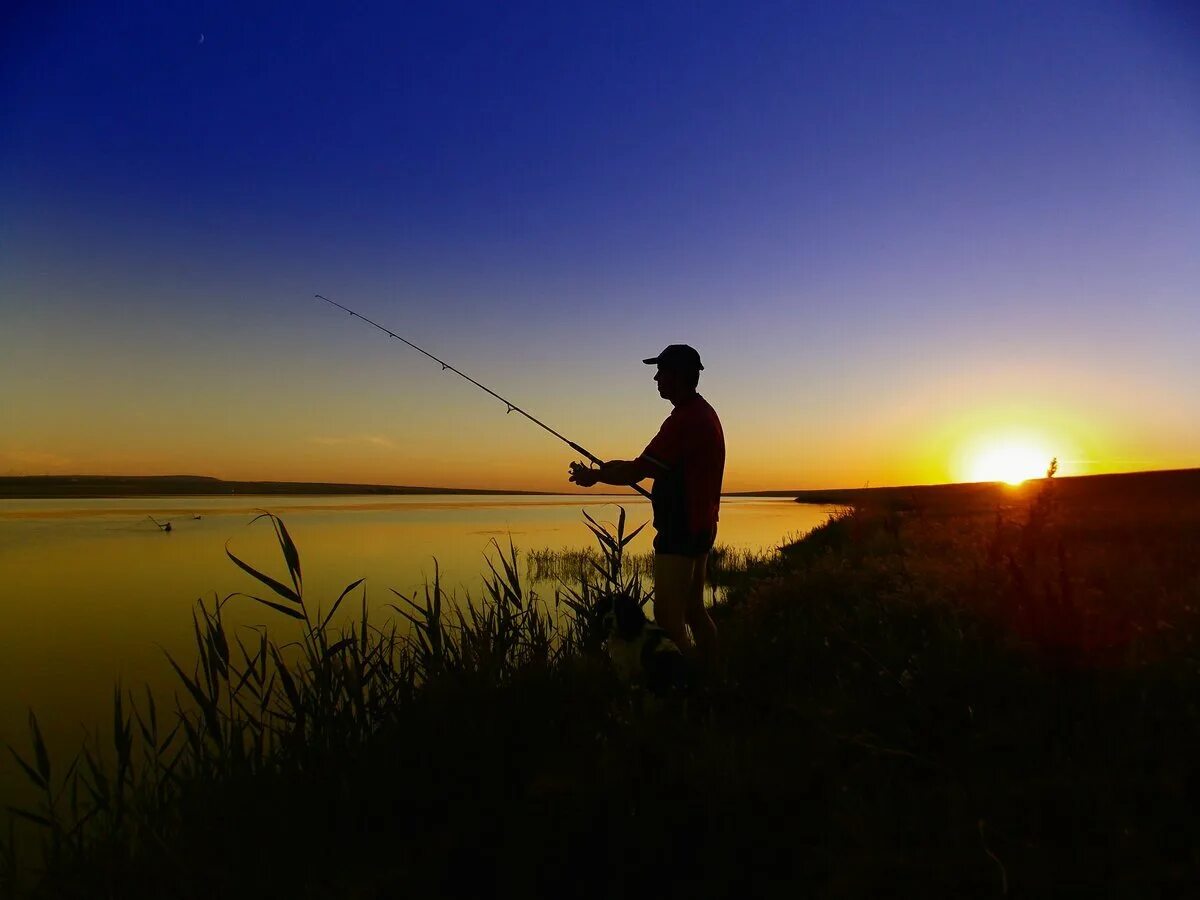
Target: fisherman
(686, 459)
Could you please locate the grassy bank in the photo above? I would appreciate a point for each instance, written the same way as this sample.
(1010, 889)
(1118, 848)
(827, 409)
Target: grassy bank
(976, 699)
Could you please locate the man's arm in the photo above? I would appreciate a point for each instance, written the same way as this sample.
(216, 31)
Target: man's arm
(626, 471)
(614, 471)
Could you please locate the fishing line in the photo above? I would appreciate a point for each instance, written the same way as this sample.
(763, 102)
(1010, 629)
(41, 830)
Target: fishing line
(512, 407)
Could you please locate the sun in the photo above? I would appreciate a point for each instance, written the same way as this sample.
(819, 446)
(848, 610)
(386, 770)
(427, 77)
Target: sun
(1011, 463)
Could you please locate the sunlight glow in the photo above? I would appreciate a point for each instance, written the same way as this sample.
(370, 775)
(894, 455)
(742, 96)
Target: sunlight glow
(1012, 463)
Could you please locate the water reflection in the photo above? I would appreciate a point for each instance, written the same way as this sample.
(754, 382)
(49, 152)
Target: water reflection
(93, 591)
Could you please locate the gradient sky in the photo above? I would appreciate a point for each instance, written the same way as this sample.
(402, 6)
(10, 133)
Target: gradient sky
(898, 235)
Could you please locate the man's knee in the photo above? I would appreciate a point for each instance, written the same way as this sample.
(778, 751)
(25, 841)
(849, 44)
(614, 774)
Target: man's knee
(667, 605)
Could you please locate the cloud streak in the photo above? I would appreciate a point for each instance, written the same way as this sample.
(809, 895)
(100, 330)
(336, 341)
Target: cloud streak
(356, 440)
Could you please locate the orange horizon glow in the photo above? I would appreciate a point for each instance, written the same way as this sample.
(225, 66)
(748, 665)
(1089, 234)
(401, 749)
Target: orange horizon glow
(1005, 464)
(990, 427)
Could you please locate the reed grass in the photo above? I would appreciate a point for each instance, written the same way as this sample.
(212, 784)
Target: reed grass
(726, 565)
(270, 706)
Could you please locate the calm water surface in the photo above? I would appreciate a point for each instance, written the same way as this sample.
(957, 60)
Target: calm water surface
(91, 591)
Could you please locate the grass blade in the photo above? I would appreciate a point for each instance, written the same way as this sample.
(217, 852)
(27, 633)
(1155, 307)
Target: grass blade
(278, 587)
(339, 600)
(32, 817)
(29, 770)
(286, 610)
(290, 554)
(39, 748)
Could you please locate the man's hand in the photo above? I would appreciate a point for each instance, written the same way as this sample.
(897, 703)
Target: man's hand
(582, 475)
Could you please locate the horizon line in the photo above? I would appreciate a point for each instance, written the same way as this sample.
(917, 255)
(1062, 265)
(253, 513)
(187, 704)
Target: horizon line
(345, 488)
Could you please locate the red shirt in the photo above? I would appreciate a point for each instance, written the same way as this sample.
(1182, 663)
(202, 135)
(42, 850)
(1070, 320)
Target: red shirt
(690, 450)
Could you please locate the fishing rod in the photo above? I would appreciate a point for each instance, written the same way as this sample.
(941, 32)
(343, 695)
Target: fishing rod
(512, 407)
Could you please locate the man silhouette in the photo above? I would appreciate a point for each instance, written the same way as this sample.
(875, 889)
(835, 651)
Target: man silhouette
(686, 459)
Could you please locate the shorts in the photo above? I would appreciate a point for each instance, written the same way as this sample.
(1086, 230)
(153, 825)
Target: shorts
(685, 543)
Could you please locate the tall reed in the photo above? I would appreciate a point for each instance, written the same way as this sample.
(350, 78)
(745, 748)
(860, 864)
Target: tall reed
(268, 706)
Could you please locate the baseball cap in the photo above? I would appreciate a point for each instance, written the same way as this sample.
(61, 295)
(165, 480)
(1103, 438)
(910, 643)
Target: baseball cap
(677, 356)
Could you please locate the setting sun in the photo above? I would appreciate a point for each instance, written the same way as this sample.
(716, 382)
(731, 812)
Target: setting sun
(1011, 463)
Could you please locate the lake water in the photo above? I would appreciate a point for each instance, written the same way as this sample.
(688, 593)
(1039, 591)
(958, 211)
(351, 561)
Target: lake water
(92, 591)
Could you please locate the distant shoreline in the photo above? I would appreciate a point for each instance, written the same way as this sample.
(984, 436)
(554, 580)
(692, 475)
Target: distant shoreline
(69, 487)
(51, 487)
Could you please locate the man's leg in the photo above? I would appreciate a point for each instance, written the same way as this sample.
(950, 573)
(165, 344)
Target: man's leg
(704, 630)
(673, 577)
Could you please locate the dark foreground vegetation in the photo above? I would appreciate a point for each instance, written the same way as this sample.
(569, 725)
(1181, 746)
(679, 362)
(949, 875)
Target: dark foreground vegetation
(972, 699)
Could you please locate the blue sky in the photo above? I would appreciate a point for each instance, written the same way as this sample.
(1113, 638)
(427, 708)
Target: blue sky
(876, 221)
